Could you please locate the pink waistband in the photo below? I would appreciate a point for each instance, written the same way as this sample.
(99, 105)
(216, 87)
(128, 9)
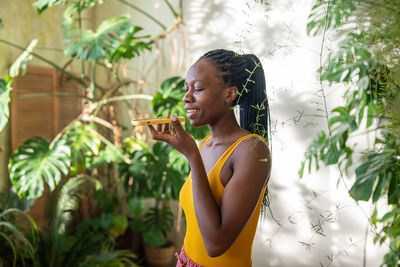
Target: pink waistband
(184, 260)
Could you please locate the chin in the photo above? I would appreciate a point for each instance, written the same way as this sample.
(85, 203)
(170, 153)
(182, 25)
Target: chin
(195, 123)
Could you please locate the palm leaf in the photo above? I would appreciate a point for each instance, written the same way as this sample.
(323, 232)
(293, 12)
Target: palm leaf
(15, 238)
(36, 161)
(116, 258)
(68, 200)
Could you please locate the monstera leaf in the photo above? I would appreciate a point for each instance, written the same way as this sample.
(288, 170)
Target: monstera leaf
(131, 46)
(36, 161)
(84, 145)
(89, 45)
(22, 60)
(5, 90)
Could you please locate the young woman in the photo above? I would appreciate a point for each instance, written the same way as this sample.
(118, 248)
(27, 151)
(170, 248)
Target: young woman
(223, 194)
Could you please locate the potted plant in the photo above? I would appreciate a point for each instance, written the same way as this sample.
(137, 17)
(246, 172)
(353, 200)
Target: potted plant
(153, 181)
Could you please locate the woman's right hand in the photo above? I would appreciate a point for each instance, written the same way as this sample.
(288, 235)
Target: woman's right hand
(178, 138)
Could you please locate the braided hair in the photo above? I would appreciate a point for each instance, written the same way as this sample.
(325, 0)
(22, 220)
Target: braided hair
(247, 74)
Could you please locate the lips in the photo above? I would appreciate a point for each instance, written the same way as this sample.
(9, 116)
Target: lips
(191, 113)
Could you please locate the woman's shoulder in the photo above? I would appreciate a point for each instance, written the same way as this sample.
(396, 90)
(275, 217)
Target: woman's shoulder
(253, 146)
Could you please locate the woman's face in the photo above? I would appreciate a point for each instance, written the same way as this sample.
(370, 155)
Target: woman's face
(205, 94)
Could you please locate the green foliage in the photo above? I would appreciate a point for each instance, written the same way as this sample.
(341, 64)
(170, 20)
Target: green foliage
(169, 101)
(76, 6)
(378, 172)
(84, 145)
(5, 91)
(109, 258)
(18, 242)
(333, 15)
(365, 62)
(346, 64)
(42, 5)
(89, 45)
(158, 224)
(152, 174)
(155, 173)
(77, 150)
(114, 39)
(131, 46)
(36, 161)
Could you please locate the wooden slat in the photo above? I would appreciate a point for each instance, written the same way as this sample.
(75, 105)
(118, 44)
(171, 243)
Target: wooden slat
(42, 116)
(32, 116)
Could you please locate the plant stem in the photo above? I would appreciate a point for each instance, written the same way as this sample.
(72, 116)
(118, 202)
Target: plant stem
(176, 15)
(120, 98)
(50, 94)
(181, 9)
(144, 13)
(70, 75)
(80, 31)
(92, 80)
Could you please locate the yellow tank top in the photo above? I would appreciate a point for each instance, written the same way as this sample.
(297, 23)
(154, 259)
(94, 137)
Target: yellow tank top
(239, 254)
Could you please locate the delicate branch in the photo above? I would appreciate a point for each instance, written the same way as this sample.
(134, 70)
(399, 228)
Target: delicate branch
(176, 15)
(144, 13)
(51, 94)
(70, 75)
(99, 104)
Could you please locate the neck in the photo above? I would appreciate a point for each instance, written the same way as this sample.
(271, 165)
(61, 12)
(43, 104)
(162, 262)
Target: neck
(226, 127)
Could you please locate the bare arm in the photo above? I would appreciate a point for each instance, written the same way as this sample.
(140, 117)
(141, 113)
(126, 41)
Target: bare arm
(220, 226)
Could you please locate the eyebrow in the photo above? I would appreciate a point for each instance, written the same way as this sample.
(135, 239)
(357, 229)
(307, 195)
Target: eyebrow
(193, 81)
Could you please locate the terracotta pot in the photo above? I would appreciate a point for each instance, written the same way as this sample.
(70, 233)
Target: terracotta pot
(159, 257)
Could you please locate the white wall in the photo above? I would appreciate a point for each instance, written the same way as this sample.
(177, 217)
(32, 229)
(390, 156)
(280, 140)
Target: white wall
(277, 34)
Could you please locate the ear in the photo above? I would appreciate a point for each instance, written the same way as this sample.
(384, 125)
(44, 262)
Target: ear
(231, 94)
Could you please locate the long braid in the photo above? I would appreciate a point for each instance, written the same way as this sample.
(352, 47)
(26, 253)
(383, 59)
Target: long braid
(247, 74)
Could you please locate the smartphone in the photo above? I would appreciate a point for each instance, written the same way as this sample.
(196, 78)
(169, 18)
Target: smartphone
(153, 121)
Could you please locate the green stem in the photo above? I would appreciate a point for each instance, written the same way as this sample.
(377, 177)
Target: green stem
(181, 9)
(176, 15)
(56, 49)
(120, 98)
(92, 80)
(51, 94)
(70, 75)
(80, 31)
(144, 13)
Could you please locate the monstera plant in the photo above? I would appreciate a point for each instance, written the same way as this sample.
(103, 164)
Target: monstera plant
(90, 145)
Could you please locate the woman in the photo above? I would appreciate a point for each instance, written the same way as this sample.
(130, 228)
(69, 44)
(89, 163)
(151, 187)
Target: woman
(223, 194)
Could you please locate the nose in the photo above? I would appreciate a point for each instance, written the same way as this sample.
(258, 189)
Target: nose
(188, 97)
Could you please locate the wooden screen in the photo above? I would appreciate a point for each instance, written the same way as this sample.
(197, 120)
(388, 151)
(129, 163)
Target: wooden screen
(41, 116)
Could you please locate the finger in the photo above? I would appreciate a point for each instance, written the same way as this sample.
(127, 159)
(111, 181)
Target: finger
(153, 131)
(166, 126)
(158, 127)
(176, 125)
(156, 135)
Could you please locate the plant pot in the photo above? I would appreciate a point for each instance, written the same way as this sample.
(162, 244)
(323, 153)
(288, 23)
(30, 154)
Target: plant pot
(159, 257)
